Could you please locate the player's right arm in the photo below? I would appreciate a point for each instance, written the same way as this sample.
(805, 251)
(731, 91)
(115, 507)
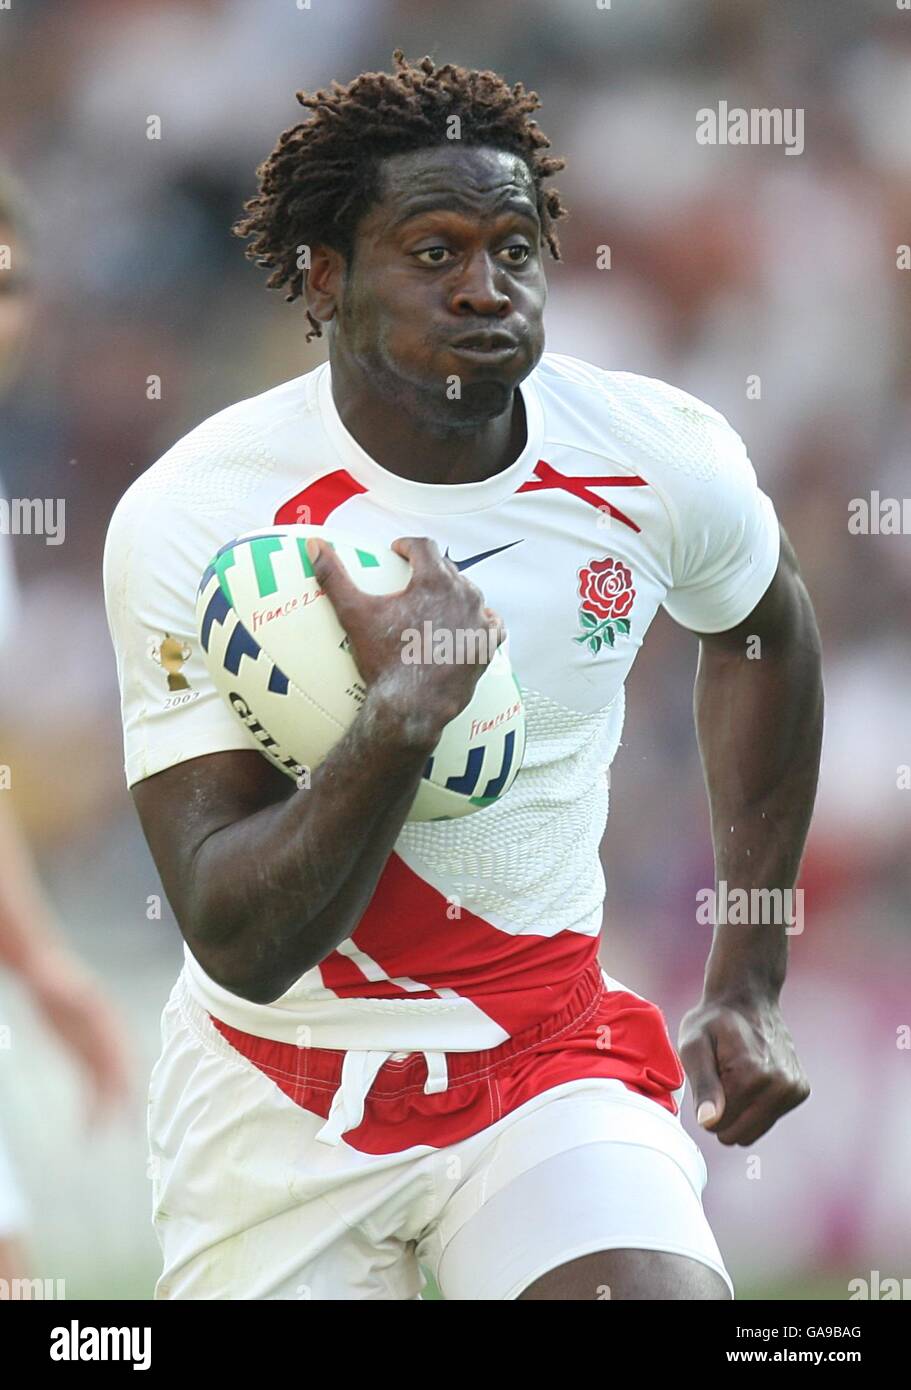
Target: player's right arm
(266, 879)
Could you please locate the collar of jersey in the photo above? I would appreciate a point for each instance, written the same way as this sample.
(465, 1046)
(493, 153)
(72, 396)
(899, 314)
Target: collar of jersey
(404, 494)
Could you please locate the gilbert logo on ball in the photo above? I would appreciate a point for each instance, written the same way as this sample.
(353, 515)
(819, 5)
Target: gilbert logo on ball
(280, 658)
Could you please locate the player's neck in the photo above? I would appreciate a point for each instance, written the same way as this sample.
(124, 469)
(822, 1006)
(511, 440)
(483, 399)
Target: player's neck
(407, 448)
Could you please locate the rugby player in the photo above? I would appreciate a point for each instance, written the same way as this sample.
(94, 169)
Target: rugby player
(392, 1045)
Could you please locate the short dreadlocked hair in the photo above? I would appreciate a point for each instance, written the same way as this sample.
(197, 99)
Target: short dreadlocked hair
(324, 174)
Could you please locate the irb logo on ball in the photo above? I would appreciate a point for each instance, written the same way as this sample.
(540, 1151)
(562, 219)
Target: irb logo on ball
(279, 657)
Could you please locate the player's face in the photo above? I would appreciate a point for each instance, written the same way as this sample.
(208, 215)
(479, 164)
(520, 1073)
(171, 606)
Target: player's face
(442, 306)
(16, 302)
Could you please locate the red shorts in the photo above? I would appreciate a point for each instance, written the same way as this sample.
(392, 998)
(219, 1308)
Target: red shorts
(601, 1032)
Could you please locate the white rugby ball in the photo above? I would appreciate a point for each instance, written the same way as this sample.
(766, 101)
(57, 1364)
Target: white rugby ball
(279, 657)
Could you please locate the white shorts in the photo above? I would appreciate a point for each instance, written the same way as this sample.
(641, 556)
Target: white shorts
(249, 1204)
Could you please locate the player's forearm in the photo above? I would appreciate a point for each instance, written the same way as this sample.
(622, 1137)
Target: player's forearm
(759, 724)
(275, 893)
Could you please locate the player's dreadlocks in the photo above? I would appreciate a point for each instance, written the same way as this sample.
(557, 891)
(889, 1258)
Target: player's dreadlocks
(323, 174)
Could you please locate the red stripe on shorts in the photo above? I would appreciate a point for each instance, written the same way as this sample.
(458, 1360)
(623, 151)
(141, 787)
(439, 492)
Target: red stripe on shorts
(599, 1033)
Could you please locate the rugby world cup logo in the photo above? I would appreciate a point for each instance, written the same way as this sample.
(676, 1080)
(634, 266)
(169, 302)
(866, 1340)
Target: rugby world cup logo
(607, 594)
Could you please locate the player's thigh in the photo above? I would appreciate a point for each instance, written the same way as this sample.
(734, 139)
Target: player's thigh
(593, 1200)
(630, 1274)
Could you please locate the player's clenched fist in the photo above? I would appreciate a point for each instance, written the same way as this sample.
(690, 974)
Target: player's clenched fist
(742, 1066)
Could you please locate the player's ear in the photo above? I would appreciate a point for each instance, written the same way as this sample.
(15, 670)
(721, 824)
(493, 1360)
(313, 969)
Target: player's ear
(324, 281)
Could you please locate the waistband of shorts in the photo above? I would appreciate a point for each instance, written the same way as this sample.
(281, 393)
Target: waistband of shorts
(325, 1064)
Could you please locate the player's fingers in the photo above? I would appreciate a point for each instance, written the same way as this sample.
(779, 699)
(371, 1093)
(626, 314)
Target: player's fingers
(698, 1057)
(332, 576)
(495, 625)
(743, 1088)
(755, 1119)
(423, 555)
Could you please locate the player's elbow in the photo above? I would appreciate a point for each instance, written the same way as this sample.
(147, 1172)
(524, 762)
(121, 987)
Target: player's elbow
(240, 982)
(237, 966)
(244, 951)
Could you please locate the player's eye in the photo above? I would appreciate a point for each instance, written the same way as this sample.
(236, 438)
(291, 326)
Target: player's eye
(435, 252)
(522, 256)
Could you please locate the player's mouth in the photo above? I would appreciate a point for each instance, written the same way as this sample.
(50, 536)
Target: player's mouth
(486, 347)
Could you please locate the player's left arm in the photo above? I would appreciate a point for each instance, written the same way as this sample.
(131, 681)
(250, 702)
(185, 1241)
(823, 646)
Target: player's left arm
(758, 705)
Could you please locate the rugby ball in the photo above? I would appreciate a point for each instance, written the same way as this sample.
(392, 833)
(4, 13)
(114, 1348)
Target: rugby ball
(280, 658)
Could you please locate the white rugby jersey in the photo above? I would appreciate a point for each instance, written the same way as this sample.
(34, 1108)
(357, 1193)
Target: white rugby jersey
(628, 495)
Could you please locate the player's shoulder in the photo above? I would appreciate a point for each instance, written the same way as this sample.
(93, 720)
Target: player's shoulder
(172, 516)
(626, 393)
(225, 456)
(652, 422)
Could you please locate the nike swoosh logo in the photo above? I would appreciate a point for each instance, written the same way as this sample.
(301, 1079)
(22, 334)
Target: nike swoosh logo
(484, 555)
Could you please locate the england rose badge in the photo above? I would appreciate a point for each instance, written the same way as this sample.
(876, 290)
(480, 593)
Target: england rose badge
(607, 594)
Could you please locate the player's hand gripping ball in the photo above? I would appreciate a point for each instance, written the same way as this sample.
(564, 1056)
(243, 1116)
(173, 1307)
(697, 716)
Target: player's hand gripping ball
(280, 658)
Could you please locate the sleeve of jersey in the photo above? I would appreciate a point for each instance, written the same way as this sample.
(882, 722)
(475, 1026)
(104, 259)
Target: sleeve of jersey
(170, 709)
(726, 539)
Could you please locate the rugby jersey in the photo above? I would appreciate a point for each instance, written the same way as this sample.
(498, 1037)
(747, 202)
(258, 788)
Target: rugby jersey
(629, 495)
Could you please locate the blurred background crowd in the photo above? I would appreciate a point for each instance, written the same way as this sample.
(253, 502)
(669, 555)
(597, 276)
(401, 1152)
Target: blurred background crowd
(728, 264)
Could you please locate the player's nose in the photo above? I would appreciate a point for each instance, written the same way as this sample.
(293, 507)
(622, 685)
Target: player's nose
(480, 289)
